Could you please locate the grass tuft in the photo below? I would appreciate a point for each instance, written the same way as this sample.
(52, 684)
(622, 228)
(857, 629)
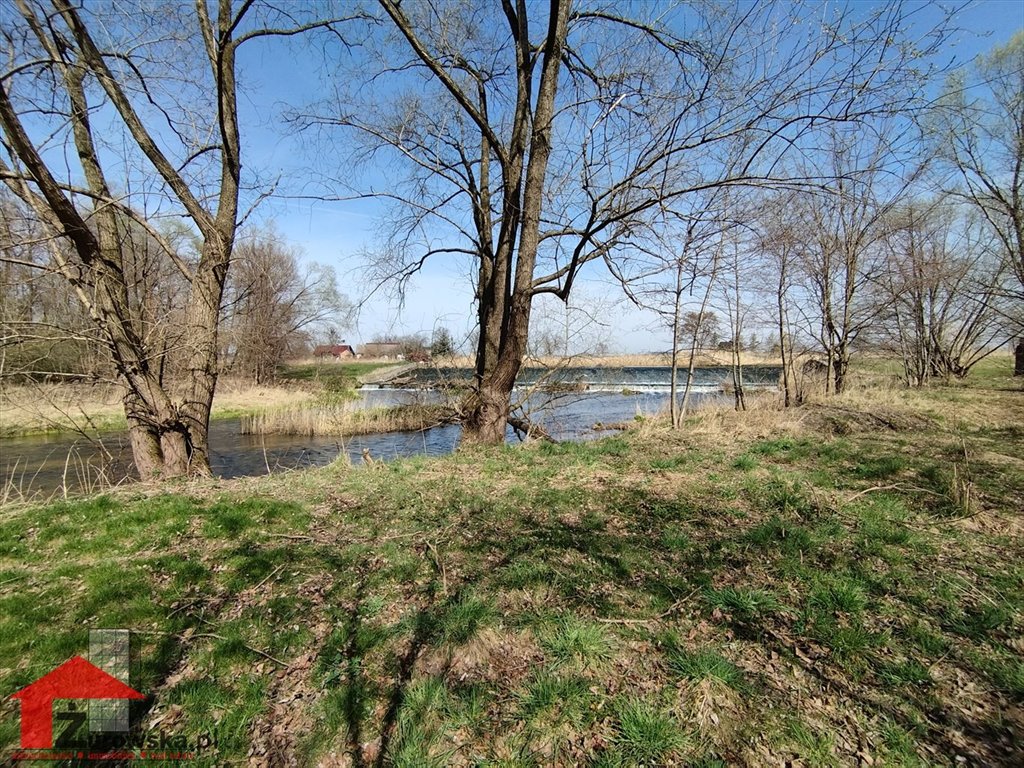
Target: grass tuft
(705, 664)
(645, 735)
(744, 605)
(580, 644)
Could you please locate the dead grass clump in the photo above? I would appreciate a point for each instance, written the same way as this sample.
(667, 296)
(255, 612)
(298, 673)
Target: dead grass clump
(344, 419)
(713, 709)
(491, 656)
(841, 420)
(234, 396)
(764, 417)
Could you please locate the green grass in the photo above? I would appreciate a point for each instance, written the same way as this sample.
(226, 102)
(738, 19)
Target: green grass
(576, 643)
(834, 594)
(650, 599)
(552, 699)
(744, 605)
(705, 664)
(644, 734)
(331, 375)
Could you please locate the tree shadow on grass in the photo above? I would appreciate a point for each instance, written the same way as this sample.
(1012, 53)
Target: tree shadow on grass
(427, 633)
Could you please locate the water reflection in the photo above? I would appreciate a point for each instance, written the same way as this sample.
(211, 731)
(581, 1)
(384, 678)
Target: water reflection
(44, 464)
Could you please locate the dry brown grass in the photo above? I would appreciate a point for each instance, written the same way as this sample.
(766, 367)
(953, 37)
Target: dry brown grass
(714, 421)
(343, 419)
(954, 407)
(237, 397)
(34, 408)
(39, 408)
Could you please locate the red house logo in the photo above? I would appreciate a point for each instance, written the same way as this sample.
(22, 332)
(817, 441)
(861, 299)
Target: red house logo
(76, 678)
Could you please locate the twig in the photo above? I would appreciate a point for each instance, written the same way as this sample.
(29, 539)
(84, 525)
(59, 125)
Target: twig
(5, 582)
(896, 487)
(183, 606)
(947, 521)
(938, 660)
(248, 647)
(440, 566)
(659, 617)
(872, 489)
(212, 636)
(269, 577)
(407, 535)
(295, 537)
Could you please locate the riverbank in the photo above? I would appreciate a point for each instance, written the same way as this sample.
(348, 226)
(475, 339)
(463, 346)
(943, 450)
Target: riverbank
(55, 408)
(837, 584)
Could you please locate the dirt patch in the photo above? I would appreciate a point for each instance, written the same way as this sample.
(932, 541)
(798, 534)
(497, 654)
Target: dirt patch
(839, 420)
(291, 693)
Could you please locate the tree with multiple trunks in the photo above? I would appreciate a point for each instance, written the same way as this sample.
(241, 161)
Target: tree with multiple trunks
(113, 119)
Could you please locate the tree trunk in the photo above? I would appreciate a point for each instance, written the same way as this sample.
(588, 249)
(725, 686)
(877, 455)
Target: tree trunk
(780, 299)
(488, 417)
(841, 367)
(490, 404)
(145, 447)
(673, 388)
(1018, 358)
(737, 375)
(507, 292)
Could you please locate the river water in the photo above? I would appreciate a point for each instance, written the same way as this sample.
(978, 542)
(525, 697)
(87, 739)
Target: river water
(44, 465)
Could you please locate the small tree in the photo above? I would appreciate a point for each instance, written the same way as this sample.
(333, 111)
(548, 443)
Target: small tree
(274, 304)
(937, 294)
(442, 344)
(704, 327)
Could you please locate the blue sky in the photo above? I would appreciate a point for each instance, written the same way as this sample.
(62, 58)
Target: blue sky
(336, 233)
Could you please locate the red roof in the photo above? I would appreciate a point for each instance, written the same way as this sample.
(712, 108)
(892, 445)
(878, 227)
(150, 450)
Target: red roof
(76, 678)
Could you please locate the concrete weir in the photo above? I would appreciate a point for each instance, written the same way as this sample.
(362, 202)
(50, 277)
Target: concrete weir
(384, 375)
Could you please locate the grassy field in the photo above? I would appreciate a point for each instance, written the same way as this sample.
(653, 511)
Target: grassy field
(841, 584)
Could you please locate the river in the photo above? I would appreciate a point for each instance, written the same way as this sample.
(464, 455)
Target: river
(45, 465)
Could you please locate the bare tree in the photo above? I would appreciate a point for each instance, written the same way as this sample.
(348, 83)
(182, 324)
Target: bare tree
(274, 303)
(981, 138)
(533, 141)
(938, 293)
(44, 330)
(779, 245)
(145, 102)
(736, 310)
(872, 165)
(685, 271)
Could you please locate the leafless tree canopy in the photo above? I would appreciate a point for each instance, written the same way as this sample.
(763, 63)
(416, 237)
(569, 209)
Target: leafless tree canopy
(532, 140)
(276, 307)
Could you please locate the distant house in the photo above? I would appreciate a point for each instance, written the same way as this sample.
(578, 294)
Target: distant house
(386, 349)
(337, 351)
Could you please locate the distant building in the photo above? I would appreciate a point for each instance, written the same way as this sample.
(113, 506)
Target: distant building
(385, 349)
(337, 351)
